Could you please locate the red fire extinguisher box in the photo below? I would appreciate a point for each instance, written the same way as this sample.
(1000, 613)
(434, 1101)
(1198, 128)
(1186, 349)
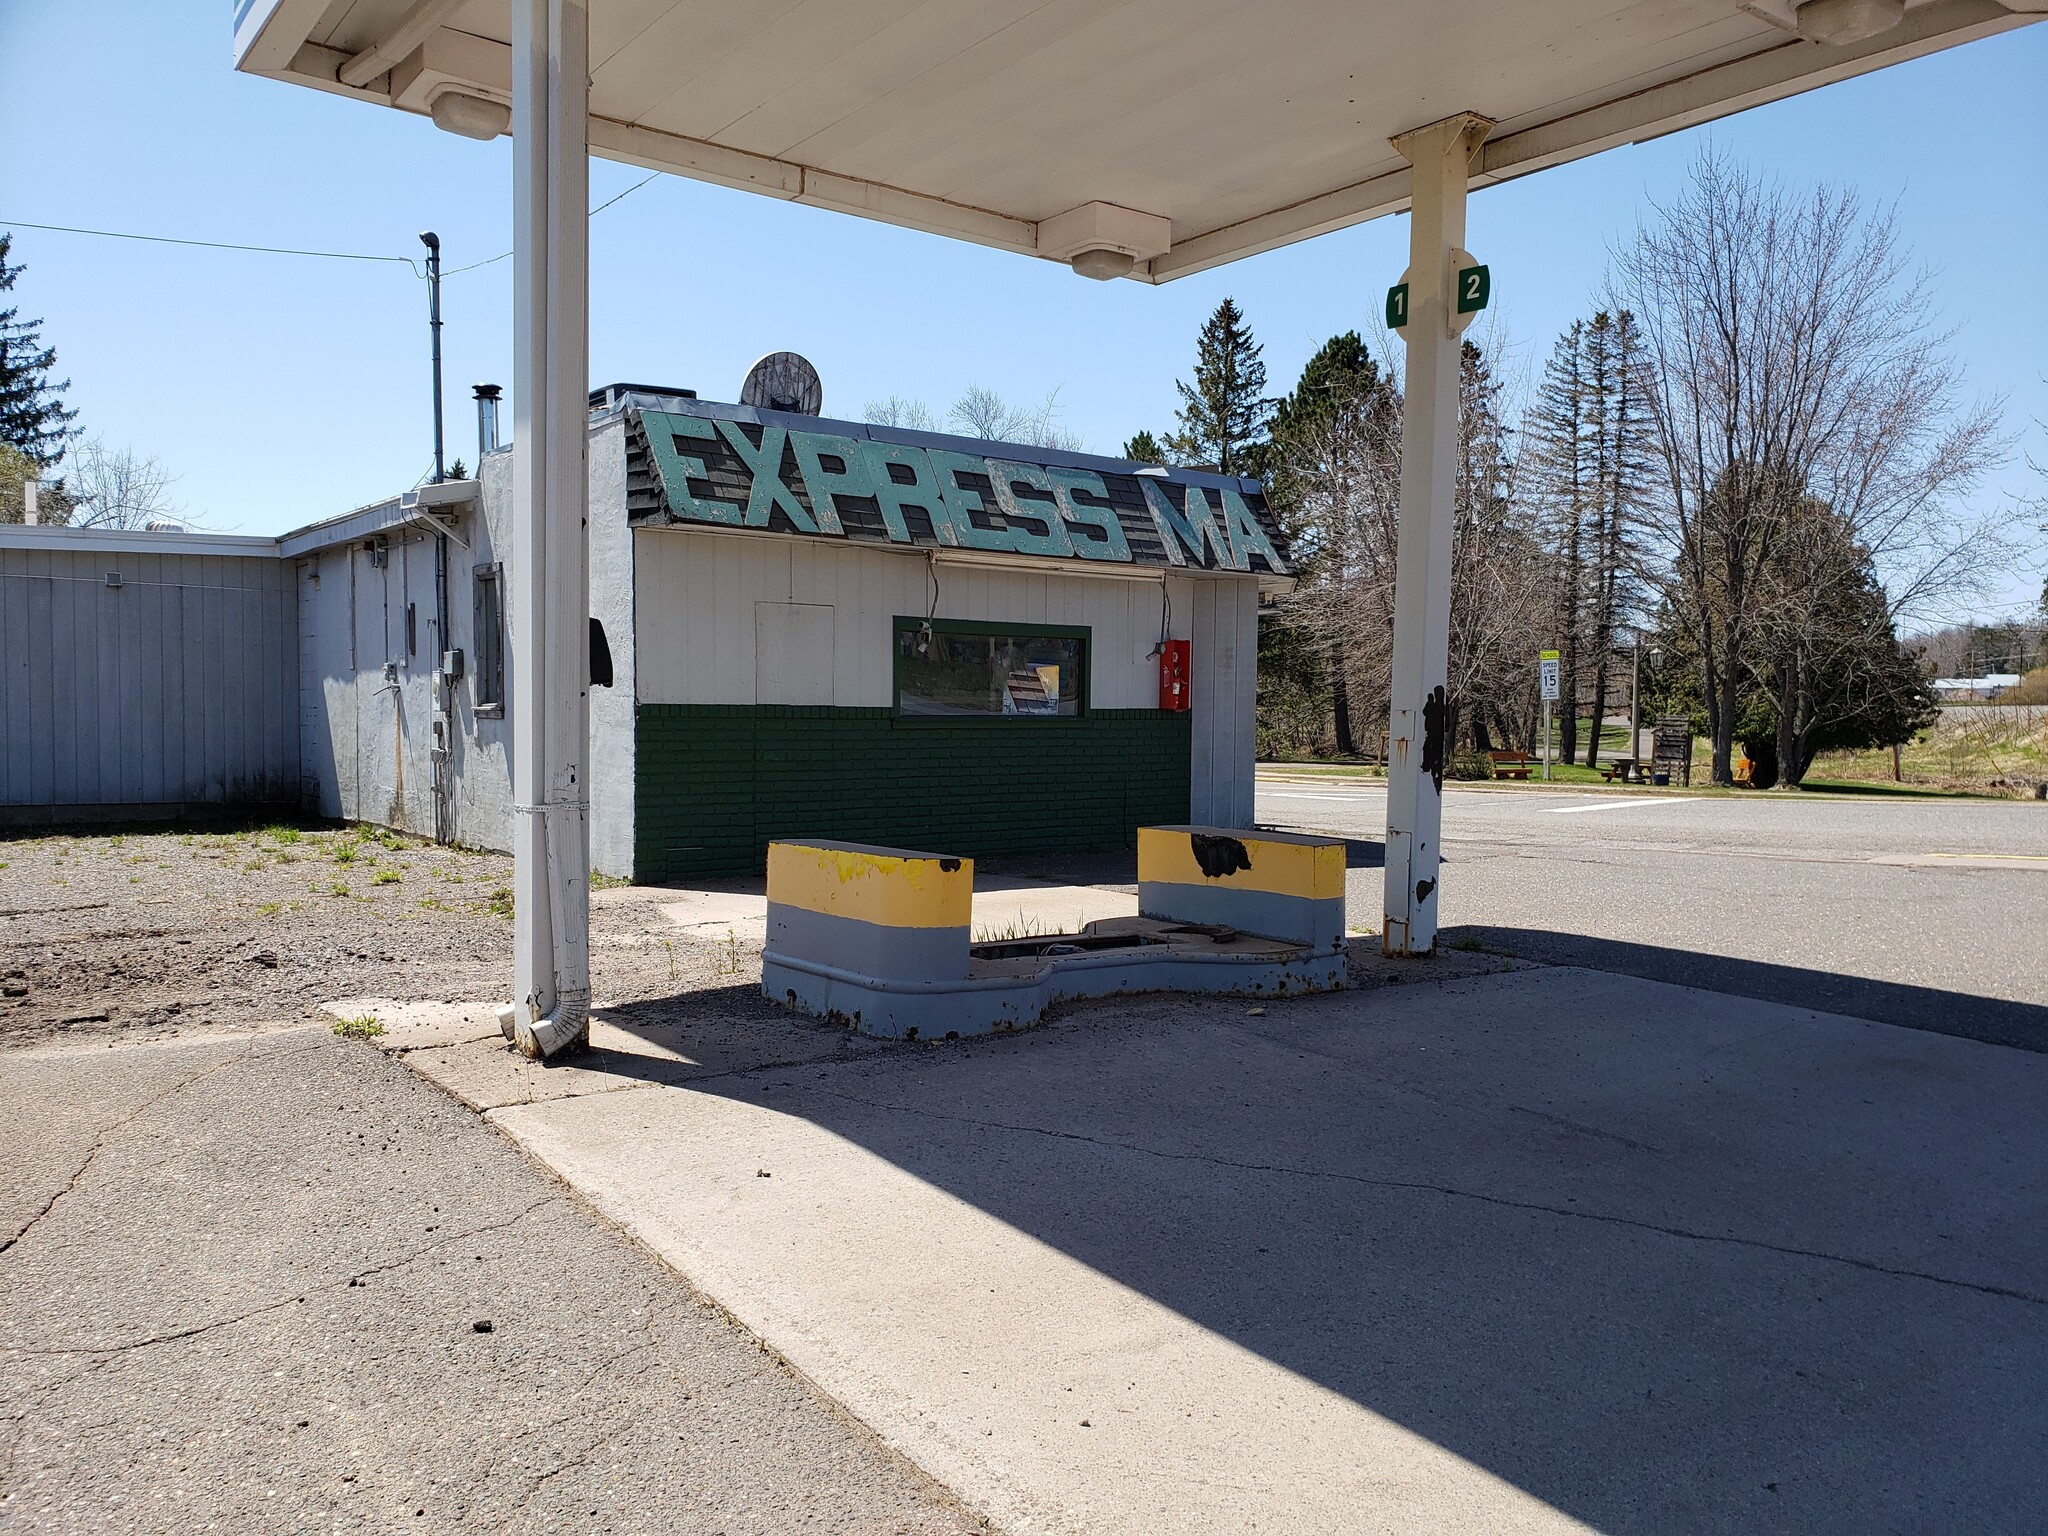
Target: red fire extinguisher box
(1173, 675)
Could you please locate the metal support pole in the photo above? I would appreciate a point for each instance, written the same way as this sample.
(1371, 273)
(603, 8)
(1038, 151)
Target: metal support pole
(432, 242)
(1635, 704)
(550, 1011)
(1441, 155)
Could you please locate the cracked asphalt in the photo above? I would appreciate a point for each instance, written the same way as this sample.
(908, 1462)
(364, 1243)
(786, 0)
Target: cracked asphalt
(276, 1283)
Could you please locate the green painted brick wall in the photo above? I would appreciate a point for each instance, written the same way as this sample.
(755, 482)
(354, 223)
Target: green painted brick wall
(713, 783)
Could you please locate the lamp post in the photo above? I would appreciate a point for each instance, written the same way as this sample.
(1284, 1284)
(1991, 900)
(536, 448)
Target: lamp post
(432, 242)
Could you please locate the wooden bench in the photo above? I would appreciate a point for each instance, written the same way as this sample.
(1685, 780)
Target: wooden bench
(1510, 765)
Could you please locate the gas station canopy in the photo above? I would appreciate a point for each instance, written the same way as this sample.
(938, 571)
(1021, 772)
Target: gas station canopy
(1151, 138)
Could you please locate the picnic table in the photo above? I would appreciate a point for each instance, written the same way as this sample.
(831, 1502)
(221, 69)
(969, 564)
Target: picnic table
(1629, 770)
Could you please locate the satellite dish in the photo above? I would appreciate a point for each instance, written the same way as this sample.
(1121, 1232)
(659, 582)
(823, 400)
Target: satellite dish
(784, 381)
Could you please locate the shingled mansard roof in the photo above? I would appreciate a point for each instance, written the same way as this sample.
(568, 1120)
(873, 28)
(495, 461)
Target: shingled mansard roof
(730, 466)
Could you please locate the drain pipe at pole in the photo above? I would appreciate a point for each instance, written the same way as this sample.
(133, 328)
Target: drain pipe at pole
(550, 1010)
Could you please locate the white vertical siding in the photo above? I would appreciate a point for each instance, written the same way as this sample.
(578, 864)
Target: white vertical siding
(1223, 679)
(697, 640)
(177, 687)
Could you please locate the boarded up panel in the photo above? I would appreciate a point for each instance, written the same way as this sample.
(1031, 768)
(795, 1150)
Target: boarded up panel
(793, 646)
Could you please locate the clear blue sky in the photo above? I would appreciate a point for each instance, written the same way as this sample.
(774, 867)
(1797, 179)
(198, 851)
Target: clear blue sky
(282, 390)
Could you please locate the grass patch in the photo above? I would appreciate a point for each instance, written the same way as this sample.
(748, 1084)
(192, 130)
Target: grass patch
(344, 852)
(1985, 747)
(284, 834)
(600, 882)
(1018, 928)
(363, 1026)
(499, 902)
(386, 877)
(271, 908)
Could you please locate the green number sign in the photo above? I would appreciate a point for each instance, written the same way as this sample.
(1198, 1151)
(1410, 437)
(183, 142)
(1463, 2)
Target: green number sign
(1397, 306)
(1475, 287)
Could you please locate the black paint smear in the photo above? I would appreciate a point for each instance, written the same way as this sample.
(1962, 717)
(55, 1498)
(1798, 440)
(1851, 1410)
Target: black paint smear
(1422, 890)
(949, 865)
(1435, 710)
(1219, 856)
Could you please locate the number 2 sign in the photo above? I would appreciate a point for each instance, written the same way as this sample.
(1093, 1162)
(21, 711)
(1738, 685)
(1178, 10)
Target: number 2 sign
(1475, 287)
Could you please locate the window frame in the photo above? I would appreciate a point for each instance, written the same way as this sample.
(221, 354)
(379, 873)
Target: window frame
(489, 624)
(910, 624)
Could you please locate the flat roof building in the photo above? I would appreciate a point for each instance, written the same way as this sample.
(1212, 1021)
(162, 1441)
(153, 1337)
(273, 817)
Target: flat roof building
(800, 627)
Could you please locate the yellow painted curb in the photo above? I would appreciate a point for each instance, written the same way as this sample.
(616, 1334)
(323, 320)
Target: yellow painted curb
(1313, 869)
(875, 885)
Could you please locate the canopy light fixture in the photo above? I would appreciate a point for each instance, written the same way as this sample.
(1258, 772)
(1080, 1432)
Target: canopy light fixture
(473, 117)
(1837, 23)
(1101, 240)
(1102, 264)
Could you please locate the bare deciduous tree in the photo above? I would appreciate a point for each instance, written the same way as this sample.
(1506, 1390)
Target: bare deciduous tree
(1343, 474)
(984, 413)
(116, 487)
(1789, 358)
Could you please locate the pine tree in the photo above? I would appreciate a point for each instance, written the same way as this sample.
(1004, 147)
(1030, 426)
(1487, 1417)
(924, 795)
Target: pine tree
(33, 416)
(1591, 438)
(1224, 413)
(1341, 385)
(1558, 423)
(1622, 467)
(1143, 448)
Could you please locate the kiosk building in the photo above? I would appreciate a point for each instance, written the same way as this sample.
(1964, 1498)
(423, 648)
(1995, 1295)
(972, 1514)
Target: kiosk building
(800, 628)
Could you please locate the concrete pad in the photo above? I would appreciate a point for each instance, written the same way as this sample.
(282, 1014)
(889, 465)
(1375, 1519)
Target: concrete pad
(711, 1039)
(1048, 1395)
(1531, 1252)
(709, 913)
(1004, 907)
(1012, 908)
(410, 1026)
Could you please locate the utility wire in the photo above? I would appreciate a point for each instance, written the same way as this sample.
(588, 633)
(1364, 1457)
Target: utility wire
(214, 245)
(600, 208)
(279, 250)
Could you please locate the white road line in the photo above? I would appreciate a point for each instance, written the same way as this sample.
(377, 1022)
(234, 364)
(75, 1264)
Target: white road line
(1613, 805)
(1281, 794)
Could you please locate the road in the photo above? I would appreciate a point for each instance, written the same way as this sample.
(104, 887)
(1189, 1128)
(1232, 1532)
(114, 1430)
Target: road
(245, 1283)
(1929, 913)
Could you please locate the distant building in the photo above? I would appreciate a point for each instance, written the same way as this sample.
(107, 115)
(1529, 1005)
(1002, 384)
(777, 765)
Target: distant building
(1957, 690)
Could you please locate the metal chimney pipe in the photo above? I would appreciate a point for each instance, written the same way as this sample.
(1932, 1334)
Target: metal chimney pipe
(487, 396)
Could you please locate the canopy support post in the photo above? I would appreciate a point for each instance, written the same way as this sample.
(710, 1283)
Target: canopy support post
(1418, 735)
(550, 713)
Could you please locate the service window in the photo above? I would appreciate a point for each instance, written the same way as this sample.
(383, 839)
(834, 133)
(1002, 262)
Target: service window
(488, 665)
(949, 668)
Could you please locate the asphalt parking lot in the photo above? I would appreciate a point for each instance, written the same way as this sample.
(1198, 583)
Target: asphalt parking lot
(1932, 913)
